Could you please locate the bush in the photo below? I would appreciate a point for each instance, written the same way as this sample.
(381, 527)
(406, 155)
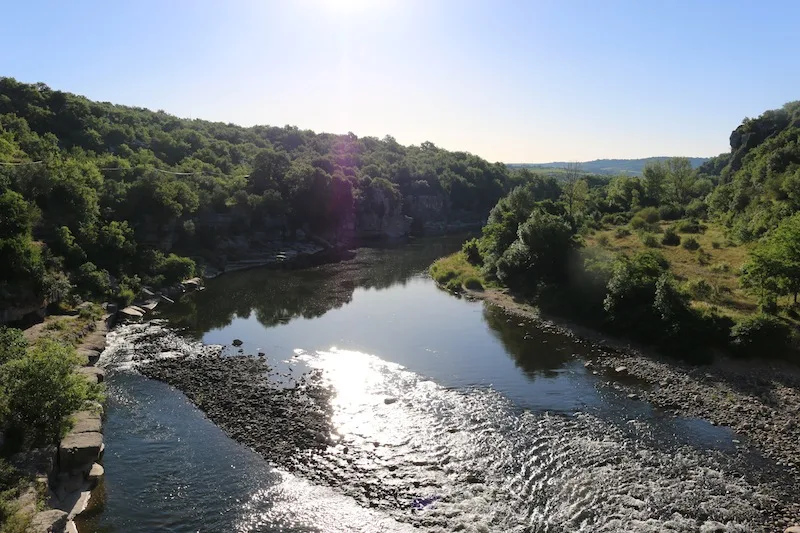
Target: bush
(721, 267)
(649, 215)
(473, 284)
(614, 219)
(621, 233)
(175, 269)
(697, 208)
(689, 226)
(700, 289)
(41, 392)
(93, 282)
(472, 252)
(631, 292)
(760, 334)
(603, 241)
(12, 344)
(90, 311)
(124, 297)
(649, 240)
(640, 224)
(690, 243)
(716, 245)
(670, 238)
(703, 257)
(670, 212)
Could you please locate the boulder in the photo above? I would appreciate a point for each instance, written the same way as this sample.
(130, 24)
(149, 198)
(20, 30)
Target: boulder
(131, 313)
(93, 374)
(237, 342)
(50, 521)
(96, 472)
(87, 422)
(792, 529)
(79, 450)
(191, 284)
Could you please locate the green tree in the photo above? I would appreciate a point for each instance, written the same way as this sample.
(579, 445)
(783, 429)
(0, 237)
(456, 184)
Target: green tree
(680, 179)
(15, 215)
(42, 390)
(541, 255)
(655, 180)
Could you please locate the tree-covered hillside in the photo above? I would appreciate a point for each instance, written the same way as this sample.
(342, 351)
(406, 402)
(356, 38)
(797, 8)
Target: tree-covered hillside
(98, 198)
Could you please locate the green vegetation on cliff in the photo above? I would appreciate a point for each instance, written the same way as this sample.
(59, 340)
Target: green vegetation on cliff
(97, 199)
(683, 258)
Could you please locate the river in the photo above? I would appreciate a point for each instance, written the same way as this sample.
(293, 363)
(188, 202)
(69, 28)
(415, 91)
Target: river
(484, 421)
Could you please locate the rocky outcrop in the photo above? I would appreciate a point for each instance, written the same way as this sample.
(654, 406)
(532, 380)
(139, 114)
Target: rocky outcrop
(381, 216)
(77, 470)
(48, 521)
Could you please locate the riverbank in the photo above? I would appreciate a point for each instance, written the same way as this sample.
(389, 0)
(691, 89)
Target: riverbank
(64, 476)
(759, 400)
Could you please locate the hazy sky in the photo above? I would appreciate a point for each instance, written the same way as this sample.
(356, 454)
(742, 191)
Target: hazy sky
(526, 81)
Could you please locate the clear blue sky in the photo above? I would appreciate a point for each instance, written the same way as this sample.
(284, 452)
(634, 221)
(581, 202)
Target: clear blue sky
(526, 81)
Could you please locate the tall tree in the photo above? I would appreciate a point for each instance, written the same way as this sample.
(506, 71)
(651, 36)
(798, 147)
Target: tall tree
(680, 179)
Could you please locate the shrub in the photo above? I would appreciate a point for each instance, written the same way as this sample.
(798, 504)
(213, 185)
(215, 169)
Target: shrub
(603, 241)
(12, 344)
(689, 226)
(716, 245)
(92, 281)
(473, 284)
(690, 243)
(124, 297)
(703, 257)
(90, 311)
(649, 214)
(670, 212)
(472, 252)
(640, 224)
(721, 267)
(175, 269)
(42, 391)
(670, 238)
(631, 292)
(696, 209)
(700, 289)
(621, 233)
(649, 240)
(760, 334)
(614, 219)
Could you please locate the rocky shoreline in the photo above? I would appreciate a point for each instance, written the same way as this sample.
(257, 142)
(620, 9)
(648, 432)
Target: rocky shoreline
(758, 400)
(286, 420)
(68, 473)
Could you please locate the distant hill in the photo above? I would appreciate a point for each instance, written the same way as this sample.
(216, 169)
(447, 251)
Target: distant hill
(609, 166)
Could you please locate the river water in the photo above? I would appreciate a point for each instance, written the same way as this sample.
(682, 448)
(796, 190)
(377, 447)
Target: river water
(485, 422)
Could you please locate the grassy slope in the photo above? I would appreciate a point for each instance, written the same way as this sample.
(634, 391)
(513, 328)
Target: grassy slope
(454, 272)
(721, 268)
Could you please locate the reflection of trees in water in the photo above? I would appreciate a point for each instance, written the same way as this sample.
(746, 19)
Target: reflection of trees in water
(277, 296)
(536, 349)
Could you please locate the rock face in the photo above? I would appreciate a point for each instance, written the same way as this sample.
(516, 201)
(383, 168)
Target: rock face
(382, 216)
(93, 374)
(87, 422)
(79, 450)
(48, 521)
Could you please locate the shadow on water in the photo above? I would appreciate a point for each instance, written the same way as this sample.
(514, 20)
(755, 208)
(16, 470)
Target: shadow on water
(279, 296)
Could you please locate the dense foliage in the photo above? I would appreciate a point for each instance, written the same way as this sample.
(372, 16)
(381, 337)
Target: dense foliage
(533, 243)
(38, 388)
(96, 197)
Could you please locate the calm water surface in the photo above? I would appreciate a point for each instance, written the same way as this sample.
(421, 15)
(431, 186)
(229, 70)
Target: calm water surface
(493, 423)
